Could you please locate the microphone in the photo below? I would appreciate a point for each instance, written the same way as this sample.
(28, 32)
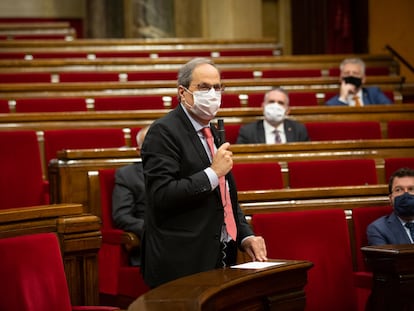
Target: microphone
(221, 132)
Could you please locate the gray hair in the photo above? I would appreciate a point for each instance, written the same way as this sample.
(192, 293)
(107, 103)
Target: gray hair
(279, 89)
(185, 74)
(357, 61)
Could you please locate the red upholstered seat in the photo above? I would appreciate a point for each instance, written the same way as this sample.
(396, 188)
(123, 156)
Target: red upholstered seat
(50, 104)
(350, 130)
(400, 129)
(56, 140)
(255, 99)
(393, 164)
(320, 236)
(362, 217)
(129, 102)
(151, 75)
(303, 99)
(257, 176)
(232, 132)
(21, 178)
(95, 76)
(116, 277)
(134, 132)
(230, 101)
(33, 276)
(237, 74)
(4, 106)
(25, 77)
(369, 71)
(291, 73)
(332, 173)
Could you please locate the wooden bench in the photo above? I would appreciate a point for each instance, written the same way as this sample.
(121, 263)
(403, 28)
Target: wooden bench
(129, 119)
(36, 30)
(80, 237)
(68, 174)
(16, 90)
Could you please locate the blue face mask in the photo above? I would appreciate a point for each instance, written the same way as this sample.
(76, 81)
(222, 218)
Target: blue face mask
(404, 204)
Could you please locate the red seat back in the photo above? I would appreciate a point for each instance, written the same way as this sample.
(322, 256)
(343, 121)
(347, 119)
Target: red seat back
(393, 164)
(319, 236)
(362, 217)
(4, 106)
(331, 173)
(400, 129)
(21, 178)
(232, 132)
(129, 102)
(51, 104)
(303, 99)
(56, 140)
(33, 268)
(322, 131)
(257, 176)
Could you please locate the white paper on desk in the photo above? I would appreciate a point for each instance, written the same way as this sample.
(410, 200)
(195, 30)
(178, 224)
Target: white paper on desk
(257, 265)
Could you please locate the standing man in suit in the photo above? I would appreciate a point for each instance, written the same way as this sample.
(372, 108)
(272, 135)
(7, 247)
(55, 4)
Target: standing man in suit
(129, 199)
(186, 231)
(395, 228)
(352, 92)
(275, 128)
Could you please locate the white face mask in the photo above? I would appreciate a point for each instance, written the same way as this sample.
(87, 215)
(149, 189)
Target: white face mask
(206, 104)
(274, 113)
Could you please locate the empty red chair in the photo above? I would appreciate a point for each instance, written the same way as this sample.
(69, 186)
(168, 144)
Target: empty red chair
(134, 132)
(130, 102)
(257, 176)
(291, 73)
(393, 164)
(116, 277)
(369, 71)
(303, 99)
(350, 130)
(96, 76)
(56, 140)
(51, 104)
(36, 279)
(256, 99)
(230, 100)
(151, 75)
(4, 106)
(400, 129)
(21, 178)
(362, 217)
(237, 74)
(247, 52)
(319, 236)
(24, 77)
(332, 173)
(232, 132)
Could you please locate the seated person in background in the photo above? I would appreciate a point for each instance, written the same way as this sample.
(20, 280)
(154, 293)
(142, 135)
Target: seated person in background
(395, 228)
(352, 92)
(129, 199)
(275, 128)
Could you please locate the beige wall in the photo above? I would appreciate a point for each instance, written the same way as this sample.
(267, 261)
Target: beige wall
(392, 23)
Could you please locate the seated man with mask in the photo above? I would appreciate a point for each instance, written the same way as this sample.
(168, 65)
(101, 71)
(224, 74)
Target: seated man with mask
(275, 128)
(398, 227)
(352, 92)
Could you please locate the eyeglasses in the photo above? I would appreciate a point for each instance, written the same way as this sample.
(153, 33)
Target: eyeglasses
(401, 190)
(205, 87)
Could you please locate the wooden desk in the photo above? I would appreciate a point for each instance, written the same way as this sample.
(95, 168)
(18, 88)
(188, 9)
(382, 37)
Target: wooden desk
(80, 239)
(276, 288)
(393, 275)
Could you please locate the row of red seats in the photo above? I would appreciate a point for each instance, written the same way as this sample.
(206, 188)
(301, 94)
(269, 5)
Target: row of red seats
(23, 183)
(142, 53)
(323, 237)
(347, 130)
(142, 102)
(113, 76)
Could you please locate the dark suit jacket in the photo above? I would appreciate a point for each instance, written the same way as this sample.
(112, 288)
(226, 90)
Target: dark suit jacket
(387, 230)
(371, 96)
(184, 219)
(253, 133)
(129, 202)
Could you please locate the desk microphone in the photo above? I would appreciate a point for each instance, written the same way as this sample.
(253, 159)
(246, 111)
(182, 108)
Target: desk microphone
(221, 132)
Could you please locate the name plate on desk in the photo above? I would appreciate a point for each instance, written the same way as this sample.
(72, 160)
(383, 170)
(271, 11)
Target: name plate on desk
(275, 285)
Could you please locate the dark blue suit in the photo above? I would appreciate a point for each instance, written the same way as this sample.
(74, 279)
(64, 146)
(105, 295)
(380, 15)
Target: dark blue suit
(370, 96)
(253, 133)
(387, 230)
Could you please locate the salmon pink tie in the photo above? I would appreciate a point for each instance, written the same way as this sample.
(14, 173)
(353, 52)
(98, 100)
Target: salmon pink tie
(224, 191)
